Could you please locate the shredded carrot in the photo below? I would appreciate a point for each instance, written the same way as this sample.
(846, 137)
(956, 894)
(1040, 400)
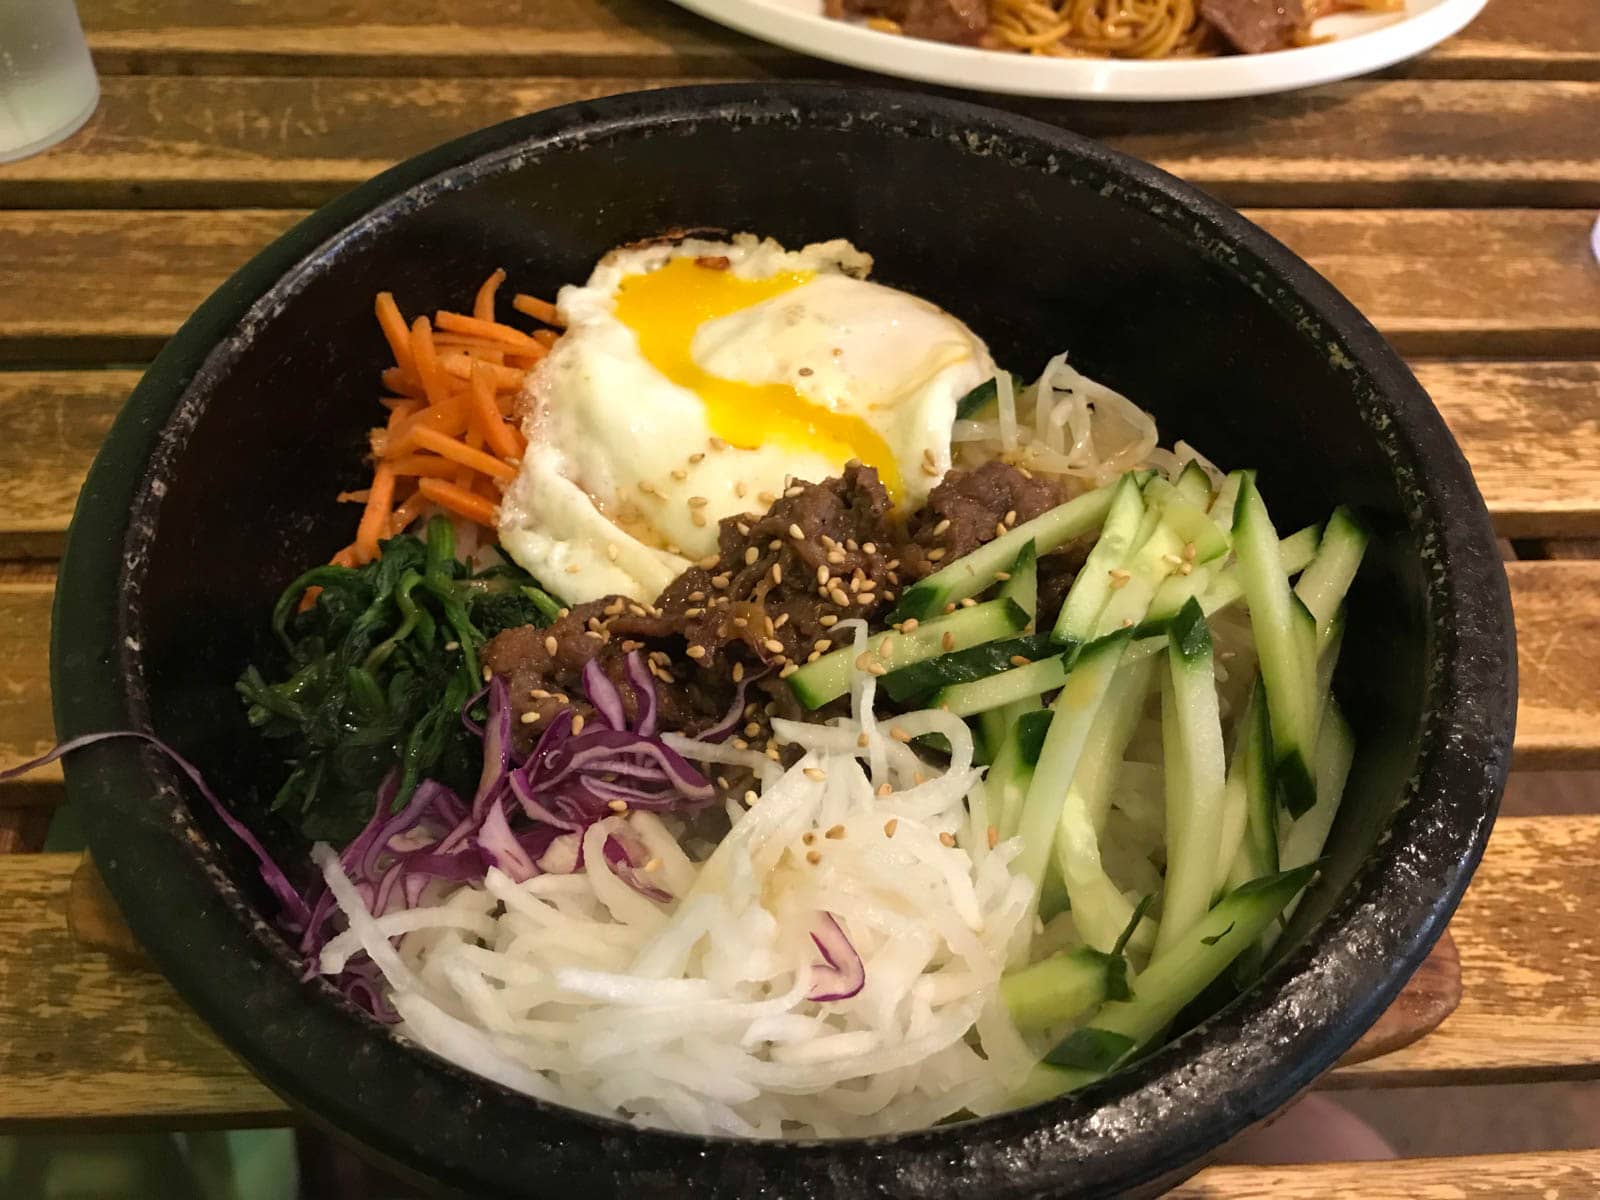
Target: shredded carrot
(483, 305)
(356, 497)
(375, 520)
(461, 366)
(434, 384)
(486, 418)
(403, 383)
(407, 513)
(459, 501)
(422, 464)
(545, 337)
(539, 310)
(464, 454)
(394, 329)
(491, 331)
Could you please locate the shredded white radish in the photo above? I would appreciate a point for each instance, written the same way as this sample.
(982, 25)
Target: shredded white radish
(693, 1014)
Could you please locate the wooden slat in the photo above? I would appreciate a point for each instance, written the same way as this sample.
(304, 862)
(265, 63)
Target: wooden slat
(87, 1040)
(1549, 1175)
(214, 141)
(1530, 429)
(575, 37)
(1532, 434)
(111, 286)
(83, 1034)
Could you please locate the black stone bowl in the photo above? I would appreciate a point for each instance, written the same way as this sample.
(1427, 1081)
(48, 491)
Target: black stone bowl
(216, 487)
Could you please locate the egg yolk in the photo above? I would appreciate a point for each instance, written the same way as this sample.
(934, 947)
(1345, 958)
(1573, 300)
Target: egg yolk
(667, 306)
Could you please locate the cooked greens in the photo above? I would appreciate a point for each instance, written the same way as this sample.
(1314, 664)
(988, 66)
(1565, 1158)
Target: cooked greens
(376, 672)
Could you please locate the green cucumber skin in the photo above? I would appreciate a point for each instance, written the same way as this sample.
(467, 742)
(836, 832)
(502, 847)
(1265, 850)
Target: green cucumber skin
(917, 681)
(1194, 485)
(818, 683)
(1175, 977)
(970, 406)
(972, 573)
(1092, 588)
(1008, 687)
(1022, 589)
(1057, 989)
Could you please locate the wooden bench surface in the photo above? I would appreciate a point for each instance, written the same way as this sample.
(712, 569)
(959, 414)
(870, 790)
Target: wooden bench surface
(1451, 198)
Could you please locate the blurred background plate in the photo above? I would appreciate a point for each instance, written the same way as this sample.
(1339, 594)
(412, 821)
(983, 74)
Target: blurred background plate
(1359, 43)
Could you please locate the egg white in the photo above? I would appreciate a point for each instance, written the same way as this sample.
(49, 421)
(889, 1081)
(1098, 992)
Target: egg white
(624, 480)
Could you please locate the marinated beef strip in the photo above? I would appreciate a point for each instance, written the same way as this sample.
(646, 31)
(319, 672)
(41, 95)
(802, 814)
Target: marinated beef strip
(960, 21)
(772, 598)
(1257, 26)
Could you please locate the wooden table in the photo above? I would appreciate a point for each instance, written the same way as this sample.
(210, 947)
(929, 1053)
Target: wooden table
(1451, 199)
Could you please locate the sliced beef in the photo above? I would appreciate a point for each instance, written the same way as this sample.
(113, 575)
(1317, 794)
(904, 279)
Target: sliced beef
(967, 508)
(768, 602)
(1256, 26)
(960, 21)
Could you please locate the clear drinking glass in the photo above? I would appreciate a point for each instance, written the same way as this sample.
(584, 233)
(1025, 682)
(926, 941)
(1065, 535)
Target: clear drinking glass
(47, 82)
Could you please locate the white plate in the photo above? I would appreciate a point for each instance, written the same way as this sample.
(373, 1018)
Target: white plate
(1360, 44)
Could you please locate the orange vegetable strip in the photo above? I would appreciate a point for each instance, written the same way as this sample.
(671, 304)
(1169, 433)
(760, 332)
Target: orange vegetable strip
(462, 453)
(375, 520)
(434, 383)
(466, 476)
(394, 329)
(489, 330)
(458, 500)
(403, 383)
(422, 464)
(357, 497)
(483, 305)
(407, 513)
(545, 337)
(497, 435)
(539, 310)
(461, 365)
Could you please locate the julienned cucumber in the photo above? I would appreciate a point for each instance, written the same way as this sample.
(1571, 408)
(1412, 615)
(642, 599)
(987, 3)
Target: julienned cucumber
(1072, 715)
(815, 684)
(1019, 683)
(1194, 485)
(1259, 851)
(1218, 586)
(1172, 980)
(971, 406)
(1063, 987)
(1323, 586)
(1012, 771)
(972, 573)
(1196, 772)
(916, 681)
(1023, 585)
(1096, 581)
(1283, 644)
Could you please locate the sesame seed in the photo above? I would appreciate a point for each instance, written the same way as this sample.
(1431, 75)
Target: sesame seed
(738, 672)
(1000, 530)
(836, 557)
(696, 652)
(698, 501)
(539, 694)
(1003, 576)
(740, 488)
(969, 602)
(744, 530)
(636, 609)
(822, 573)
(1011, 516)
(949, 608)
(573, 568)
(697, 518)
(1172, 560)
(550, 645)
(909, 624)
(816, 773)
(813, 857)
(1189, 551)
(877, 669)
(884, 790)
(837, 595)
(1127, 622)
(597, 634)
(941, 527)
(766, 497)
(618, 806)
(948, 641)
(1186, 569)
(719, 582)
(788, 670)
(777, 573)
(827, 620)
(775, 544)
(694, 612)
(892, 823)
(885, 646)
(750, 555)
(808, 837)
(918, 778)
(936, 554)
(813, 656)
(993, 837)
(863, 740)
(740, 744)
(929, 469)
(773, 645)
(750, 798)
(863, 660)
(865, 599)
(653, 865)
(870, 548)
(946, 839)
(577, 722)
(717, 443)
(706, 563)
(697, 456)
(679, 474)
(796, 532)
(529, 717)
(835, 833)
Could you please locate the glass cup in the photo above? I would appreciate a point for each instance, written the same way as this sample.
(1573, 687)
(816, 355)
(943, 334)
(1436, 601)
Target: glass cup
(47, 82)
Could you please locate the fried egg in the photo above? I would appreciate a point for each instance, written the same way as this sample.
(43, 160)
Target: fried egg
(697, 380)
